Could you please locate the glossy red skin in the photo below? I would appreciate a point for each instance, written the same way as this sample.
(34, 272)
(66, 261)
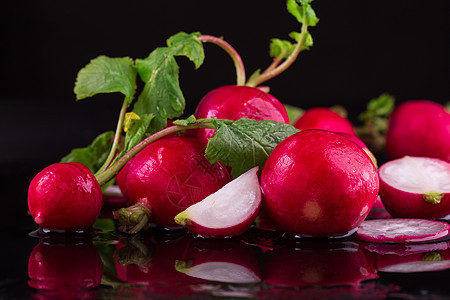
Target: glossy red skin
(401, 204)
(318, 183)
(325, 119)
(234, 102)
(170, 175)
(65, 196)
(419, 128)
(65, 271)
(318, 264)
(226, 232)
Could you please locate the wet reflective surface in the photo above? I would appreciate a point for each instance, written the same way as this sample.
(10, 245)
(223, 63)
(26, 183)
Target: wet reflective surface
(265, 264)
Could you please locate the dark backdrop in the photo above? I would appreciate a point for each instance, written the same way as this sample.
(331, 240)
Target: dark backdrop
(362, 49)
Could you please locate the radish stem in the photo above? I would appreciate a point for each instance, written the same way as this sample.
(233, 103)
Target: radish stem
(238, 64)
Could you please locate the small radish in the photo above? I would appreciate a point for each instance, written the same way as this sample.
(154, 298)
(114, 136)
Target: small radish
(234, 102)
(401, 230)
(324, 118)
(419, 128)
(416, 187)
(318, 183)
(228, 212)
(65, 197)
(165, 178)
(64, 270)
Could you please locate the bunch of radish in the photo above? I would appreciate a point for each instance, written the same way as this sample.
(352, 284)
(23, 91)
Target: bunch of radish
(240, 154)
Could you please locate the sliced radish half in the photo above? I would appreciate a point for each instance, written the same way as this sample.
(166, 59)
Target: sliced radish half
(401, 230)
(219, 271)
(228, 212)
(416, 187)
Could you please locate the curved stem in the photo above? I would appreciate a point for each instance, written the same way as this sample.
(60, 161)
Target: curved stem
(108, 173)
(272, 72)
(238, 64)
(117, 135)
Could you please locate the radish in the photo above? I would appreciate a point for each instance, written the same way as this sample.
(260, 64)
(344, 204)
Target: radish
(65, 197)
(419, 128)
(318, 183)
(165, 178)
(58, 270)
(228, 212)
(234, 102)
(326, 119)
(401, 230)
(360, 143)
(416, 187)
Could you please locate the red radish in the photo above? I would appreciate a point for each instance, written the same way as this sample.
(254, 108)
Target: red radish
(416, 187)
(419, 128)
(234, 102)
(166, 177)
(65, 270)
(228, 260)
(318, 183)
(360, 143)
(401, 230)
(318, 263)
(228, 212)
(65, 197)
(324, 118)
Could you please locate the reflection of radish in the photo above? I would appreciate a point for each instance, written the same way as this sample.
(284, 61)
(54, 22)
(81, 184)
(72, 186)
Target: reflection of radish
(64, 271)
(166, 177)
(419, 128)
(318, 183)
(50, 190)
(317, 263)
(227, 260)
(228, 212)
(401, 230)
(234, 102)
(324, 118)
(416, 187)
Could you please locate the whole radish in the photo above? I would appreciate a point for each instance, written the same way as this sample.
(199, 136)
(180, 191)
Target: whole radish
(318, 183)
(165, 178)
(419, 128)
(326, 119)
(234, 102)
(65, 197)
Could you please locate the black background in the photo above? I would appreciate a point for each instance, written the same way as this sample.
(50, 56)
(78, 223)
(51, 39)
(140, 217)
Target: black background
(362, 49)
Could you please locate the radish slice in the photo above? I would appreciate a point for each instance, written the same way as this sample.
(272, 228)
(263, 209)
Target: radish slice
(401, 230)
(416, 187)
(418, 266)
(228, 212)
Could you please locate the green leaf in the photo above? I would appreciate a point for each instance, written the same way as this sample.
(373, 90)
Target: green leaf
(294, 113)
(280, 48)
(245, 143)
(136, 133)
(302, 11)
(308, 43)
(94, 155)
(162, 94)
(106, 75)
(378, 107)
(186, 122)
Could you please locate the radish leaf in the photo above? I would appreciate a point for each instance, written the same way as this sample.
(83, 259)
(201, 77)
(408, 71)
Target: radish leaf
(245, 143)
(106, 75)
(162, 94)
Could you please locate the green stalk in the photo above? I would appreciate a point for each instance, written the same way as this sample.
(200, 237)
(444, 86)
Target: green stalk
(117, 135)
(271, 72)
(238, 64)
(108, 173)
